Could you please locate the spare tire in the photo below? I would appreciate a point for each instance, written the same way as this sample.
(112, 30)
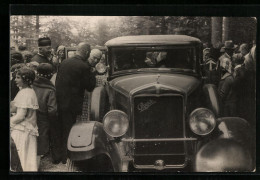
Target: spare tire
(99, 104)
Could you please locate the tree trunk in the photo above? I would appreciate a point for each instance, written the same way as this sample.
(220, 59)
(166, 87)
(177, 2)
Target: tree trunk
(163, 26)
(216, 30)
(37, 26)
(226, 29)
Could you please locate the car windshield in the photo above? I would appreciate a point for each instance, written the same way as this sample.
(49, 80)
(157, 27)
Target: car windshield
(127, 58)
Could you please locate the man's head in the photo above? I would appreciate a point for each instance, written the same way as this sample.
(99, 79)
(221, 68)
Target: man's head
(229, 47)
(44, 46)
(243, 49)
(61, 52)
(22, 48)
(16, 57)
(94, 57)
(83, 50)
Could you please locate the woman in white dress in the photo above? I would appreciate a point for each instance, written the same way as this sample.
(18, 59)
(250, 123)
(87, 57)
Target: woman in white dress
(23, 122)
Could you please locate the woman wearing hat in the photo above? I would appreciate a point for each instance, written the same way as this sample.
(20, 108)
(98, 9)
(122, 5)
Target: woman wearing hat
(45, 92)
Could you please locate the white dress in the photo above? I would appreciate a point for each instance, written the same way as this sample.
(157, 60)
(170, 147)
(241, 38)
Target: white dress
(25, 133)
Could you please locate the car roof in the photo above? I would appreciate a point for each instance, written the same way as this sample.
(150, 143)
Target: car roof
(152, 40)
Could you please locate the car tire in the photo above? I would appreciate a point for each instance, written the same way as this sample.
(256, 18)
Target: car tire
(97, 164)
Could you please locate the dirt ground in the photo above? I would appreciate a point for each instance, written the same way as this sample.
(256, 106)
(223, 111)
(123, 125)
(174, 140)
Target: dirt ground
(47, 166)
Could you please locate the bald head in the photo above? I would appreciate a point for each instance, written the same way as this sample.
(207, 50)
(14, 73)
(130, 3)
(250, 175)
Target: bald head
(83, 50)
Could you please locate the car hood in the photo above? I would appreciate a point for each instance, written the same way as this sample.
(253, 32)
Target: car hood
(132, 83)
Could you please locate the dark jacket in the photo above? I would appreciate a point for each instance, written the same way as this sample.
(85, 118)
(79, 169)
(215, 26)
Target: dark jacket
(226, 88)
(73, 77)
(227, 95)
(40, 59)
(46, 96)
(46, 114)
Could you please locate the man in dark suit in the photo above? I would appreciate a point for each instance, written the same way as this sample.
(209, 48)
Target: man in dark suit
(73, 77)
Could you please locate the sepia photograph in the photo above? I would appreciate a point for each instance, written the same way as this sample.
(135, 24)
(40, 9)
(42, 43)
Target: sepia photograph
(132, 93)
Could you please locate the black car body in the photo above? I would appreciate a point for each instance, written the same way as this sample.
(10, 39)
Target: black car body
(152, 115)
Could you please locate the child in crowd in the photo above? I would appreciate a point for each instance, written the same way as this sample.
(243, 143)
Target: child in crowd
(46, 114)
(23, 123)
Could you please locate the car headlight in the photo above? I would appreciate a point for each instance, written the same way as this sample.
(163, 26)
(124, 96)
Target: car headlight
(115, 123)
(202, 121)
(101, 68)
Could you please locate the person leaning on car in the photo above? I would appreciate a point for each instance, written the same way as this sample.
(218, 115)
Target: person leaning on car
(73, 77)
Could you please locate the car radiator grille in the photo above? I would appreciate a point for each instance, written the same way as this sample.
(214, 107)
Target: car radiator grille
(158, 117)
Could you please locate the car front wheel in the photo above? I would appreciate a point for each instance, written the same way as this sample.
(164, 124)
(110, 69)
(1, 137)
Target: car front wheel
(97, 164)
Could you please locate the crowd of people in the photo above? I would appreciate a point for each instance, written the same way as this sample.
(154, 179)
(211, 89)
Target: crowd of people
(232, 69)
(47, 93)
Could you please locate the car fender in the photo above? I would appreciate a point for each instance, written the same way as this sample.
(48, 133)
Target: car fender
(86, 140)
(221, 155)
(212, 101)
(237, 129)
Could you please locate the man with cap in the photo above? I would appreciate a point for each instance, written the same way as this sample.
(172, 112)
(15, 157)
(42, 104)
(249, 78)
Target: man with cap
(73, 77)
(44, 51)
(229, 50)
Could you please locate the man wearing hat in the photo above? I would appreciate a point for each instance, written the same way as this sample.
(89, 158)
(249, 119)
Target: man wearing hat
(229, 51)
(46, 114)
(44, 51)
(73, 77)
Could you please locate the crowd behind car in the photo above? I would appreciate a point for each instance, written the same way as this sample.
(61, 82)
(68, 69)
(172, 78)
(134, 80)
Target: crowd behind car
(37, 128)
(232, 68)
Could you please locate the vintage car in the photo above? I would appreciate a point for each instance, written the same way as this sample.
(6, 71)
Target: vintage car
(155, 111)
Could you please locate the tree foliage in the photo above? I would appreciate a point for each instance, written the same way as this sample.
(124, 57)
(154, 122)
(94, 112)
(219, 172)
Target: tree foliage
(59, 31)
(67, 31)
